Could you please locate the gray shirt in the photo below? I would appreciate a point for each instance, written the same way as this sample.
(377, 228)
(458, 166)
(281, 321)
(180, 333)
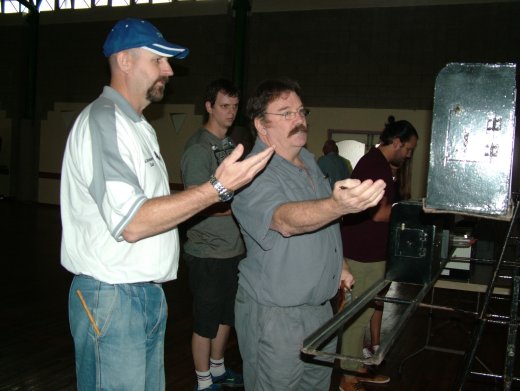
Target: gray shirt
(211, 236)
(286, 271)
(334, 167)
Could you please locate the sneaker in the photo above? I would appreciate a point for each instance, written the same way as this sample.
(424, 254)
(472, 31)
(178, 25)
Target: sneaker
(213, 387)
(376, 378)
(351, 384)
(367, 353)
(229, 379)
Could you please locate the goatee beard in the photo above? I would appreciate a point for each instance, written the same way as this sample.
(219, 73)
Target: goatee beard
(297, 129)
(156, 92)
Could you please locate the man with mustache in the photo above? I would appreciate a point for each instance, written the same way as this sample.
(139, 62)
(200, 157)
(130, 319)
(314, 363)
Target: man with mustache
(294, 263)
(214, 246)
(119, 220)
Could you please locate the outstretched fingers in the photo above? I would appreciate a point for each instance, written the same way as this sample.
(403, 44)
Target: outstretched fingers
(234, 174)
(234, 155)
(374, 193)
(356, 197)
(258, 161)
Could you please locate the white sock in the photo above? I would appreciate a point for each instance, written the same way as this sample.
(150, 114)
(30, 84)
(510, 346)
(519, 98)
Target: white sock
(204, 379)
(217, 367)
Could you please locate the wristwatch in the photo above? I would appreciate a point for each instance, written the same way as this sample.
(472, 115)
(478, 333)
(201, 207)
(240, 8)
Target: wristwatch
(224, 194)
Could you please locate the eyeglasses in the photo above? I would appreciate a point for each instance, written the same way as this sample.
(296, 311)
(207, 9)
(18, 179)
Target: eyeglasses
(288, 115)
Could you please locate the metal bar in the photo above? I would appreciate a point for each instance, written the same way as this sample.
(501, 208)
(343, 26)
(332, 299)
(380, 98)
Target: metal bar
(427, 345)
(385, 346)
(445, 308)
(493, 375)
(479, 329)
(312, 343)
(492, 283)
(393, 300)
(511, 334)
(428, 335)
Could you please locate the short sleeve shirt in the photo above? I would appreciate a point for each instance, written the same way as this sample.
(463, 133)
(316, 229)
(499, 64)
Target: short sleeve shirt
(111, 166)
(209, 236)
(286, 271)
(334, 167)
(364, 239)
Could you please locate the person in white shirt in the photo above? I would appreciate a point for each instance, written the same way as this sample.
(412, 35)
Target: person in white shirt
(120, 221)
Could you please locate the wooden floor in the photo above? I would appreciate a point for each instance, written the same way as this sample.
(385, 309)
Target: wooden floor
(36, 351)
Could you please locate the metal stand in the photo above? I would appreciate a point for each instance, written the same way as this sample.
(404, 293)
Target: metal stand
(313, 343)
(483, 319)
(429, 333)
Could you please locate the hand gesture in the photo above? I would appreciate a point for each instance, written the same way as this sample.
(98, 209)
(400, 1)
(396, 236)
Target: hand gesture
(234, 174)
(353, 196)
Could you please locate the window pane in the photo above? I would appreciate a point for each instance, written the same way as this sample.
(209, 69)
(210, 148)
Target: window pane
(11, 6)
(120, 3)
(65, 4)
(99, 3)
(46, 5)
(81, 4)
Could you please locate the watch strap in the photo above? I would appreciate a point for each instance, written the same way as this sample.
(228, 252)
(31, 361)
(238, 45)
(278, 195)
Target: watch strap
(224, 194)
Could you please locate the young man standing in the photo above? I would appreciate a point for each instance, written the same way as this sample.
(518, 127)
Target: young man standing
(214, 246)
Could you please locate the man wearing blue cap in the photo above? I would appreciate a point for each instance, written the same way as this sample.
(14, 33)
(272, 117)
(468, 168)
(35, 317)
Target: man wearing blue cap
(119, 220)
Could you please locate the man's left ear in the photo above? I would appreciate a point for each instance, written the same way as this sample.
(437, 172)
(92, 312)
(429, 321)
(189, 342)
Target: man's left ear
(124, 60)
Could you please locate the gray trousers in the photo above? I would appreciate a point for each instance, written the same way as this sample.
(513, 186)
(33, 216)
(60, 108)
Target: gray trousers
(270, 339)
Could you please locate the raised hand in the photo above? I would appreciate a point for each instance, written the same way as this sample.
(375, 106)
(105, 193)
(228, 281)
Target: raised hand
(353, 196)
(234, 174)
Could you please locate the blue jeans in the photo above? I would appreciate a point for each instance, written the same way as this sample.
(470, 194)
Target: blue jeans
(121, 347)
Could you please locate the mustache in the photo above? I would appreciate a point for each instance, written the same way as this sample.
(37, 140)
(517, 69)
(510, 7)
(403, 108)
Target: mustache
(164, 79)
(297, 129)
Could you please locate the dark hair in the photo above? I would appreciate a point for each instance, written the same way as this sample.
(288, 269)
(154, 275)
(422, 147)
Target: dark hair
(403, 130)
(330, 146)
(266, 92)
(403, 181)
(220, 85)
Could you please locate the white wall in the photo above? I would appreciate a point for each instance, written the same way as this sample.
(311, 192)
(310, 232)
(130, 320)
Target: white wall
(55, 128)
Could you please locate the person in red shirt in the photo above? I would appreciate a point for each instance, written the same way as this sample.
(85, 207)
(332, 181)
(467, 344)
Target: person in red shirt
(365, 237)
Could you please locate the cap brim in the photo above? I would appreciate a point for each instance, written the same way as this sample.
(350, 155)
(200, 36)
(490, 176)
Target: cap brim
(169, 50)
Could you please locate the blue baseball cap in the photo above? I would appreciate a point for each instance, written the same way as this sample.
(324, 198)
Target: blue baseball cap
(137, 33)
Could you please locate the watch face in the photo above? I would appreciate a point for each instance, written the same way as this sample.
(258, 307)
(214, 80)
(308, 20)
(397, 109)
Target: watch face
(226, 196)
